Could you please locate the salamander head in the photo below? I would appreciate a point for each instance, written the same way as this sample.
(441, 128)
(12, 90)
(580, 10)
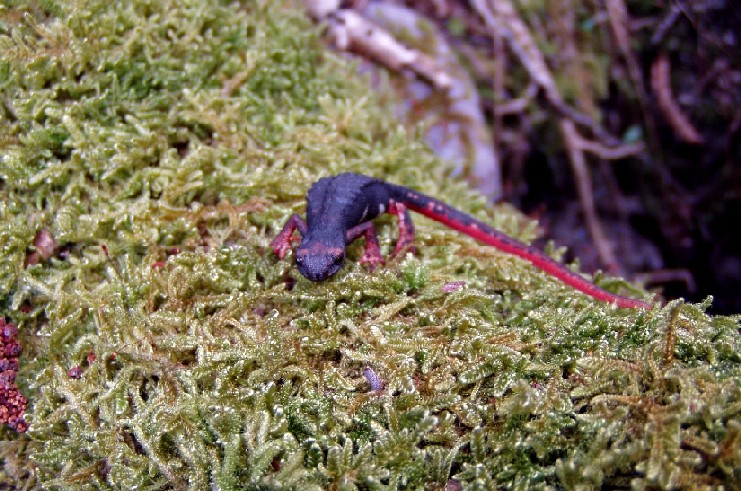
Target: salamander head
(318, 261)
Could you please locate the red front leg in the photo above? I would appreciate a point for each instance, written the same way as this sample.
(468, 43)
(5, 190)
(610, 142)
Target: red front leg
(283, 242)
(406, 228)
(372, 255)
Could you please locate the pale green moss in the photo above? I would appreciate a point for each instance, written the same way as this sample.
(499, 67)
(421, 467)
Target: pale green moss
(211, 374)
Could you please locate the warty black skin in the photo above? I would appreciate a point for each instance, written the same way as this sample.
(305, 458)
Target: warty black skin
(335, 205)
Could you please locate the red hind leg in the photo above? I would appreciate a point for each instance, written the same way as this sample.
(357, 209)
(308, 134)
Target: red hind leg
(405, 242)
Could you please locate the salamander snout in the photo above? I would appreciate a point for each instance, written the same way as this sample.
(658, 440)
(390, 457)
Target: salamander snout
(318, 262)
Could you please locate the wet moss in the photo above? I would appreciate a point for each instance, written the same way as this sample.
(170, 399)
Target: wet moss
(163, 145)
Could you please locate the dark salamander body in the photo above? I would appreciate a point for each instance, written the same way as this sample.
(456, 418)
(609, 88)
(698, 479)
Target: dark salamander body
(340, 209)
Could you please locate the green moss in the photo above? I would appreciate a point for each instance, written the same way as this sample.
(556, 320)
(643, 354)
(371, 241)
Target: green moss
(199, 126)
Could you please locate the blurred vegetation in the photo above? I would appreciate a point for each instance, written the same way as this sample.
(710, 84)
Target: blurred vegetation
(159, 146)
(663, 80)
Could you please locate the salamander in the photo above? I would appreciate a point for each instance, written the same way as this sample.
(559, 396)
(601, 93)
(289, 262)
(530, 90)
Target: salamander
(340, 208)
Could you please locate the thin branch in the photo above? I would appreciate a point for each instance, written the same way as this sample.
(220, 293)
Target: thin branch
(666, 24)
(350, 31)
(661, 86)
(586, 195)
(611, 153)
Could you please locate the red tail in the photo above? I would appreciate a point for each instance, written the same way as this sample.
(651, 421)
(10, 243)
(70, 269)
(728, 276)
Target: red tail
(457, 220)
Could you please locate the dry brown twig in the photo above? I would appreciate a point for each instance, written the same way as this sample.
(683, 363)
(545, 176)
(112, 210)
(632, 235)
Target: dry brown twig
(501, 19)
(661, 86)
(666, 24)
(352, 32)
(518, 105)
(586, 195)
